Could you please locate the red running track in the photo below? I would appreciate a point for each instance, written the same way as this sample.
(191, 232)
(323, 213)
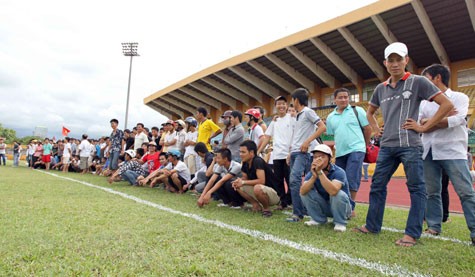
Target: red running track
(399, 196)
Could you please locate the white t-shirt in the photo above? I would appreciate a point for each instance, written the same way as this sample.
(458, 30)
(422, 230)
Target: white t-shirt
(139, 139)
(190, 150)
(180, 140)
(256, 133)
(170, 137)
(85, 148)
(3, 148)
(181, 169)
(67, 150)
(281, 133)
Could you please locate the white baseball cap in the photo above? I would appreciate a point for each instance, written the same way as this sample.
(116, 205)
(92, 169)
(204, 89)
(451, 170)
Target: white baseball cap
(131, 153)
(397, 48)
(323, 148)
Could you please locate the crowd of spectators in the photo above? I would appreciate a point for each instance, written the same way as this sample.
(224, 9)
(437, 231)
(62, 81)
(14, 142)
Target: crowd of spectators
(283, 165)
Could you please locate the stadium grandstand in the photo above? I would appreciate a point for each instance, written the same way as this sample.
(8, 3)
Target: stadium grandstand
(346, 51)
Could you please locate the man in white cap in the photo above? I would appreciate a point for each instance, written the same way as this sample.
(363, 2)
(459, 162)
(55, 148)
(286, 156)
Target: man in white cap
(326, 191)
(129, 170)
(399, 99)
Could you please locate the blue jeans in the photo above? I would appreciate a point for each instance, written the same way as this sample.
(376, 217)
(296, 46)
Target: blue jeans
(130, 176)
(365, 171)
(16, 159)
(459, 174)
(2, 156)
(299, 166)
(114, 160)
(388, 161)
(352, 163)
(319, 208)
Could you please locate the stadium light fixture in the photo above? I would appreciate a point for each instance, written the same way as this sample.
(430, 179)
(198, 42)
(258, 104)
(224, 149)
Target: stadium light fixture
(129, 49)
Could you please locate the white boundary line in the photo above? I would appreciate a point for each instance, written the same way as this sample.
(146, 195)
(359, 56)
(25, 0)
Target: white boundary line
(394, 230)
(394, 269)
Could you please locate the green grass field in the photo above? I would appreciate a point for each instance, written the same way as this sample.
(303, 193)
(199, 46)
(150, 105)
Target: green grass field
(53, 226)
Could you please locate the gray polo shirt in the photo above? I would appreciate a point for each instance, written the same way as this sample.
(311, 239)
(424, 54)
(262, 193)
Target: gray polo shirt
(400, 103)
(234, 138)
(305, 126)
(234, 169)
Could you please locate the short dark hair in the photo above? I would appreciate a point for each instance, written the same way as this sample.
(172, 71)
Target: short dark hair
(127, 131)
(225, 153)
(338, 90)
(114, 120)
(438, 69)
(237, 114)
(84, 136)
(67, 139)
(140, 152)
(250, 146)
(301, 94)
(165, 154)
(202, 110)
(155, 128)
(201, 148)
(261, 110)
(141, 124)
(146, 129)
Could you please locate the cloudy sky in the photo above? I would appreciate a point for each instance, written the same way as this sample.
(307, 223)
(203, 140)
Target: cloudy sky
(61, 62)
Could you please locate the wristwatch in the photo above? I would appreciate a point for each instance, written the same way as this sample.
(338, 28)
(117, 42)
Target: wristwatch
(319, 173)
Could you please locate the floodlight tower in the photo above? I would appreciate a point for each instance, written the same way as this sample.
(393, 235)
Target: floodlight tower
(129, 49)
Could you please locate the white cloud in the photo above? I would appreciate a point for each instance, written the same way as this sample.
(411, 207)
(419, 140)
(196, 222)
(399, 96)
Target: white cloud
(61, 61)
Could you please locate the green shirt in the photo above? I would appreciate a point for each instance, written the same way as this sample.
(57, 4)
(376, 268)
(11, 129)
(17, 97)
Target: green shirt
(349, 137)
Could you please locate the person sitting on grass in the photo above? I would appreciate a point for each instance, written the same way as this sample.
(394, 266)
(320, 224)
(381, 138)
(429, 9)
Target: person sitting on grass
(225, 172)
(177, 172)
(157, 176)
(325, 192)
(257, 180)
(129, 170)
(151, 160)
(156, 181)
(204, 173)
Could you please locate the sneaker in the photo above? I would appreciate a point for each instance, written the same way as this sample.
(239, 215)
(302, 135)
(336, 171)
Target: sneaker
(473, 241)
(311, 222)
(222, 205)
(339, 228)
(236, 207)
(293, 218)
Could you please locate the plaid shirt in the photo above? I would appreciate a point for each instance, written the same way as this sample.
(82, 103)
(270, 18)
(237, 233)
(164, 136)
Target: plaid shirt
(116, 140)
(134, 166)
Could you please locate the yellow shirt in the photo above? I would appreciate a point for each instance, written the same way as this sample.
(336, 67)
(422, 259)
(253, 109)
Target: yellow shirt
(205, 129)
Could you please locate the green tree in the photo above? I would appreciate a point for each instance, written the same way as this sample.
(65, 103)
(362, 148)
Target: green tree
(25, 140)
(8, 134)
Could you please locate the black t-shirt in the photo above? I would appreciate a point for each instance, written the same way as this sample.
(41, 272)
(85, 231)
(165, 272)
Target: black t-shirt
(129, 143)
(157, 141)
(259, 163)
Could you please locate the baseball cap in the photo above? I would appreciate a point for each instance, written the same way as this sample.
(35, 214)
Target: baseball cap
(226, 114)
(281, 97)
(323, 148)
(397, 48)
(131, 153)
(152, 143)
(174, 152)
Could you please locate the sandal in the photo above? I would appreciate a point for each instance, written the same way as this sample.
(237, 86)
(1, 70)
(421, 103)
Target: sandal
(361, 230)
(429, 231)
(405, 243)
(266, 213)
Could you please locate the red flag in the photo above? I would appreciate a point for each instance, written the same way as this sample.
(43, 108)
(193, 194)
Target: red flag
(65, 131)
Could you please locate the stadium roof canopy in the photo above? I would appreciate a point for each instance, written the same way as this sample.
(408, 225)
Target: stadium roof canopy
(344, 51)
